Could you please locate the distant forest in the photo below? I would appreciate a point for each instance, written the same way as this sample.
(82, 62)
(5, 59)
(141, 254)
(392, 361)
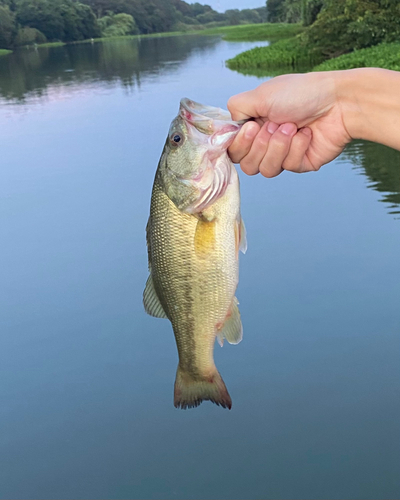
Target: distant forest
(24, 22)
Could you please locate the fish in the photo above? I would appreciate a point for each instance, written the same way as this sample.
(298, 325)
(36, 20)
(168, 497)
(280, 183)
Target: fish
(194, 234)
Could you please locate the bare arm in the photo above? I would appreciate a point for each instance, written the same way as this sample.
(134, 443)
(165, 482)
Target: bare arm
(304, 121)
(370, 101)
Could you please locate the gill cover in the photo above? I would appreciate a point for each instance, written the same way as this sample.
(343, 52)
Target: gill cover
(198, 169)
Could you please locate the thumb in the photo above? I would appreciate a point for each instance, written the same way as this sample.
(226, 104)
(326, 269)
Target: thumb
(244, 105)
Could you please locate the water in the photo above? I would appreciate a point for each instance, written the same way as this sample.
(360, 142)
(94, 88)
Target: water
(87, 378)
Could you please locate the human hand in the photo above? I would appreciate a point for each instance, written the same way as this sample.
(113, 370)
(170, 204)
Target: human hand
(298, 124)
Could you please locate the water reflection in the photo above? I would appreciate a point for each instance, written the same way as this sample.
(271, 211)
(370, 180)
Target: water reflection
(29, 72)
(86, 375)
(381, 165)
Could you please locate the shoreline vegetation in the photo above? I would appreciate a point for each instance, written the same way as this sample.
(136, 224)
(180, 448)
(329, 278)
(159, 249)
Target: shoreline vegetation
(335, 35)
(304, 35)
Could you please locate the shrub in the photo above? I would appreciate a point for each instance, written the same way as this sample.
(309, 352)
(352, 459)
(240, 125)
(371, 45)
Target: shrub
(29, 36)
(386, 55)
(289, 52)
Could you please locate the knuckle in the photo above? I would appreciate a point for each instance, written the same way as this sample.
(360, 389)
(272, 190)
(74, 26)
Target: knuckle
(280, 141)
(248, 169)
(291, 165)
(269, 170)
(250, 165)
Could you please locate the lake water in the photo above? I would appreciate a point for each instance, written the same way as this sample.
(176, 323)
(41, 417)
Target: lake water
(87, 377)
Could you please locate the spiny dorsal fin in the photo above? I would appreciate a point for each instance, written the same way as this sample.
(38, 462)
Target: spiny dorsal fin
(232, 329)
(152, 304)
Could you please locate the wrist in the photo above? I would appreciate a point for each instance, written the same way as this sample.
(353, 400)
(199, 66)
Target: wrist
(370, 104)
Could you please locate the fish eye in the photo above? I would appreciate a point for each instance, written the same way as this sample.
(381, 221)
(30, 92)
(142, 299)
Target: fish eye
(176, 139)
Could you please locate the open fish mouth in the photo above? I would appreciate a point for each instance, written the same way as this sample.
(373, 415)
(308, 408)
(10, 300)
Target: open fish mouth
(207, 119)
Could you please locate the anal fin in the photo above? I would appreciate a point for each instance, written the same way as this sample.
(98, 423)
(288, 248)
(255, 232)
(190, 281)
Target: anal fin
(232, 329)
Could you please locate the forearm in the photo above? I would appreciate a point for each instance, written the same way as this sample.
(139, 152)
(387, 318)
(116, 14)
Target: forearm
(370, 103)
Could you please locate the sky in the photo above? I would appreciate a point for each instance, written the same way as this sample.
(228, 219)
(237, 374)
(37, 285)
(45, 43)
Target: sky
(223, 5)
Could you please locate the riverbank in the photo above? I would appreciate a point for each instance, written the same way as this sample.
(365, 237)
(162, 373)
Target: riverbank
(385, 55)
(243, 32)
(291, 55)
(287, 54)
(255, 32)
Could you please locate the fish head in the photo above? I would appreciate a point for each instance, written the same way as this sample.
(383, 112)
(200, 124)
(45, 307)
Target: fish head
(195, 167)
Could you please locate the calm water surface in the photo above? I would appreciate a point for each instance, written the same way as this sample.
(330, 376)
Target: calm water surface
(87, 378)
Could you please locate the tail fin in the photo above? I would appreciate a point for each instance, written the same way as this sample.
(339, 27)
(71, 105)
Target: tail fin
(190, 392)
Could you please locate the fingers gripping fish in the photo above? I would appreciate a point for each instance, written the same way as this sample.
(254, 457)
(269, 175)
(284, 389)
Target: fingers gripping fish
(194, 235)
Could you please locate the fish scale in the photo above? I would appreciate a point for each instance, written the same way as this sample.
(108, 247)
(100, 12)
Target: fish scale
(193, 263)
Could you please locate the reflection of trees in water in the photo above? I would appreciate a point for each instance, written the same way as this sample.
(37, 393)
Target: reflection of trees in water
(31, 72)
(381, 165)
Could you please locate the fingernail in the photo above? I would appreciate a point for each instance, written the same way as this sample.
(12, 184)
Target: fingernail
(306, 131)
(288, 128)
(272, 127)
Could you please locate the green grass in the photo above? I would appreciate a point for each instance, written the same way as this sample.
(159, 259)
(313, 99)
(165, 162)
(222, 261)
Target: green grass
(256, 32)
(131, 37)
(3, 52)
(51, 44)
(385, 55)
(285, 54)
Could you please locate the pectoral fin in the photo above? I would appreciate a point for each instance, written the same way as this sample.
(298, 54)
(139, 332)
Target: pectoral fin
(232, 329)
(242, 237)
(151, 302)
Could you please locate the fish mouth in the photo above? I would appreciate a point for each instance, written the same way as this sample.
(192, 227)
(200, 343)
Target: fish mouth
(207, 119)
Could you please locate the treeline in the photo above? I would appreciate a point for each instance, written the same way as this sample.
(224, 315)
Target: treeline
(156, 16)
(336, 27)
(25, 22)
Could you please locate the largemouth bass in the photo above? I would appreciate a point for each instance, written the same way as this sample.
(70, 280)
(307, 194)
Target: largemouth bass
(194, 235)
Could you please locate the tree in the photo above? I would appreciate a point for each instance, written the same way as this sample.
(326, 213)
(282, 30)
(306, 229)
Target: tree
(64, 20)
(7, 28)
(117, 25)
(275, 11)
(29, 36)
(233, 16)
(345, 25)
(310, 11)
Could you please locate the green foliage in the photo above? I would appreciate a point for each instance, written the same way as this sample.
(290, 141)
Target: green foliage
(64, 20)
(293, 10)
(256, 32)
(345, 25)
(117, 25)
(310, 11)
(7, 27)
(155, 16)
(3, 52)
(288, 53)
(29, 36)
(275, 11)
(381, 56)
